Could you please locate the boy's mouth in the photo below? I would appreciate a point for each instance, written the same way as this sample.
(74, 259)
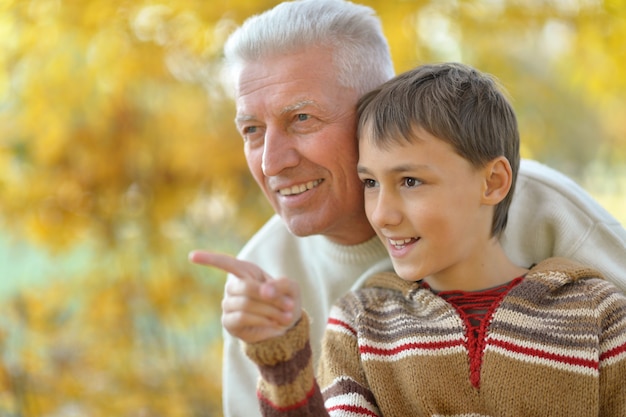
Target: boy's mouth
(401, 243)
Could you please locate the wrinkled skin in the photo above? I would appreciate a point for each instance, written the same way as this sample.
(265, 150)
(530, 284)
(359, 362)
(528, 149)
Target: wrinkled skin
(299, 129)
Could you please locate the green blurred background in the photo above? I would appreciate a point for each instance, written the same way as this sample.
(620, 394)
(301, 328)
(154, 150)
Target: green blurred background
(118, 156)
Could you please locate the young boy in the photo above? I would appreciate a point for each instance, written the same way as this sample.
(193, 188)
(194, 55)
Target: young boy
(459, 329)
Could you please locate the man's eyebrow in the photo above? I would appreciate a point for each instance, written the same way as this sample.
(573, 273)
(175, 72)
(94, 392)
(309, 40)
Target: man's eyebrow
(297, 106)
(285, 110)
(243, 118)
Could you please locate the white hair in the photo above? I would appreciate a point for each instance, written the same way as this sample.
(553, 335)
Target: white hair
(360, 51)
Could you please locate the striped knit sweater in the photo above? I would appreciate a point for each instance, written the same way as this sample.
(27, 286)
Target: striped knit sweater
(555, 345)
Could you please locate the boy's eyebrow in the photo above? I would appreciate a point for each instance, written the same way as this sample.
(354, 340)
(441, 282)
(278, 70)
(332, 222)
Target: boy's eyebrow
(362, 170)
(399, 168)
(409, 167)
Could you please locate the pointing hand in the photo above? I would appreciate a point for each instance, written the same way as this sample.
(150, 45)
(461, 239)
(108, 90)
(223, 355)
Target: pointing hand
(256, 306)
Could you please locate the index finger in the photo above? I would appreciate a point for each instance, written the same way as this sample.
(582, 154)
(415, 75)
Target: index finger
(230, 264)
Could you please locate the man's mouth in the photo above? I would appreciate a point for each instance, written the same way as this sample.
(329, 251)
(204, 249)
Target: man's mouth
(298, 189)
(401, 243)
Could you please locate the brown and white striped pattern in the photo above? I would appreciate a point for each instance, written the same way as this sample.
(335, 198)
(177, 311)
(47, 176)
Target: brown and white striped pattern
(556, 346)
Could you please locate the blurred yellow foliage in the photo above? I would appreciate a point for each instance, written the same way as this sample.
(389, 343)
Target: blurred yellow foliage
(116, 137)
(103, 99)
(120, 346)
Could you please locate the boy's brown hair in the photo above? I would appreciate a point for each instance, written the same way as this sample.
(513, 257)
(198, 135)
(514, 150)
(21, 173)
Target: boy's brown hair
(454, 102)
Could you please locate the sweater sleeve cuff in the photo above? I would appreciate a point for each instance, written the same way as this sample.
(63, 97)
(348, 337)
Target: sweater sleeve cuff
(281, 348)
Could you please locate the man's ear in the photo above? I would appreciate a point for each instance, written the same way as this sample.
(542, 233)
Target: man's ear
(498, 180)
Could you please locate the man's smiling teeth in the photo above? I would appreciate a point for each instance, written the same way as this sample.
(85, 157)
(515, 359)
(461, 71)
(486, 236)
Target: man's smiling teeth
(297, 189)
(399, 244)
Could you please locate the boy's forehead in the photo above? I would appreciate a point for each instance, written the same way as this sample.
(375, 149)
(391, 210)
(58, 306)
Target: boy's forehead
(384, 133)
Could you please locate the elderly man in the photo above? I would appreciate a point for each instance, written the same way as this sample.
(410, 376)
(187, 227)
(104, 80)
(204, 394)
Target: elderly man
(299, 70)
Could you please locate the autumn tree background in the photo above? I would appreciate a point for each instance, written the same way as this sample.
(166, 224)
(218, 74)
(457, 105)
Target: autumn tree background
(118, 155)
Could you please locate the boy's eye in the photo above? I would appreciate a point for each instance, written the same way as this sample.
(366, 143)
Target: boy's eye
(369, 183)
(411, 182)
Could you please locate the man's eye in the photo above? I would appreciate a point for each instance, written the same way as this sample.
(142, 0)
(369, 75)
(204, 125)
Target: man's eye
(253, 135)
(302, 117)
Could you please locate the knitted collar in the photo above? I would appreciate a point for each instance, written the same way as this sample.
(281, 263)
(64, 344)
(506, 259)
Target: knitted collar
(554, 272)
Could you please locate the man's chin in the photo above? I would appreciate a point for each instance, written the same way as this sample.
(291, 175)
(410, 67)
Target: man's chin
(302, 227)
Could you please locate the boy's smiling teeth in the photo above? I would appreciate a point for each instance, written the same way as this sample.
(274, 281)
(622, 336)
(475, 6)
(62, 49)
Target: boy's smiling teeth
(400, 243)
(297, 189)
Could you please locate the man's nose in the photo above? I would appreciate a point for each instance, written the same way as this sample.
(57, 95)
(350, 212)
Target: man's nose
(279, 152)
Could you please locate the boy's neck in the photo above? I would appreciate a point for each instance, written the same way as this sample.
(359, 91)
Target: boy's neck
(485, 270)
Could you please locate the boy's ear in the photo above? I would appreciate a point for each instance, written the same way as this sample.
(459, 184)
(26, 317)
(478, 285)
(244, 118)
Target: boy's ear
(498, 180)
